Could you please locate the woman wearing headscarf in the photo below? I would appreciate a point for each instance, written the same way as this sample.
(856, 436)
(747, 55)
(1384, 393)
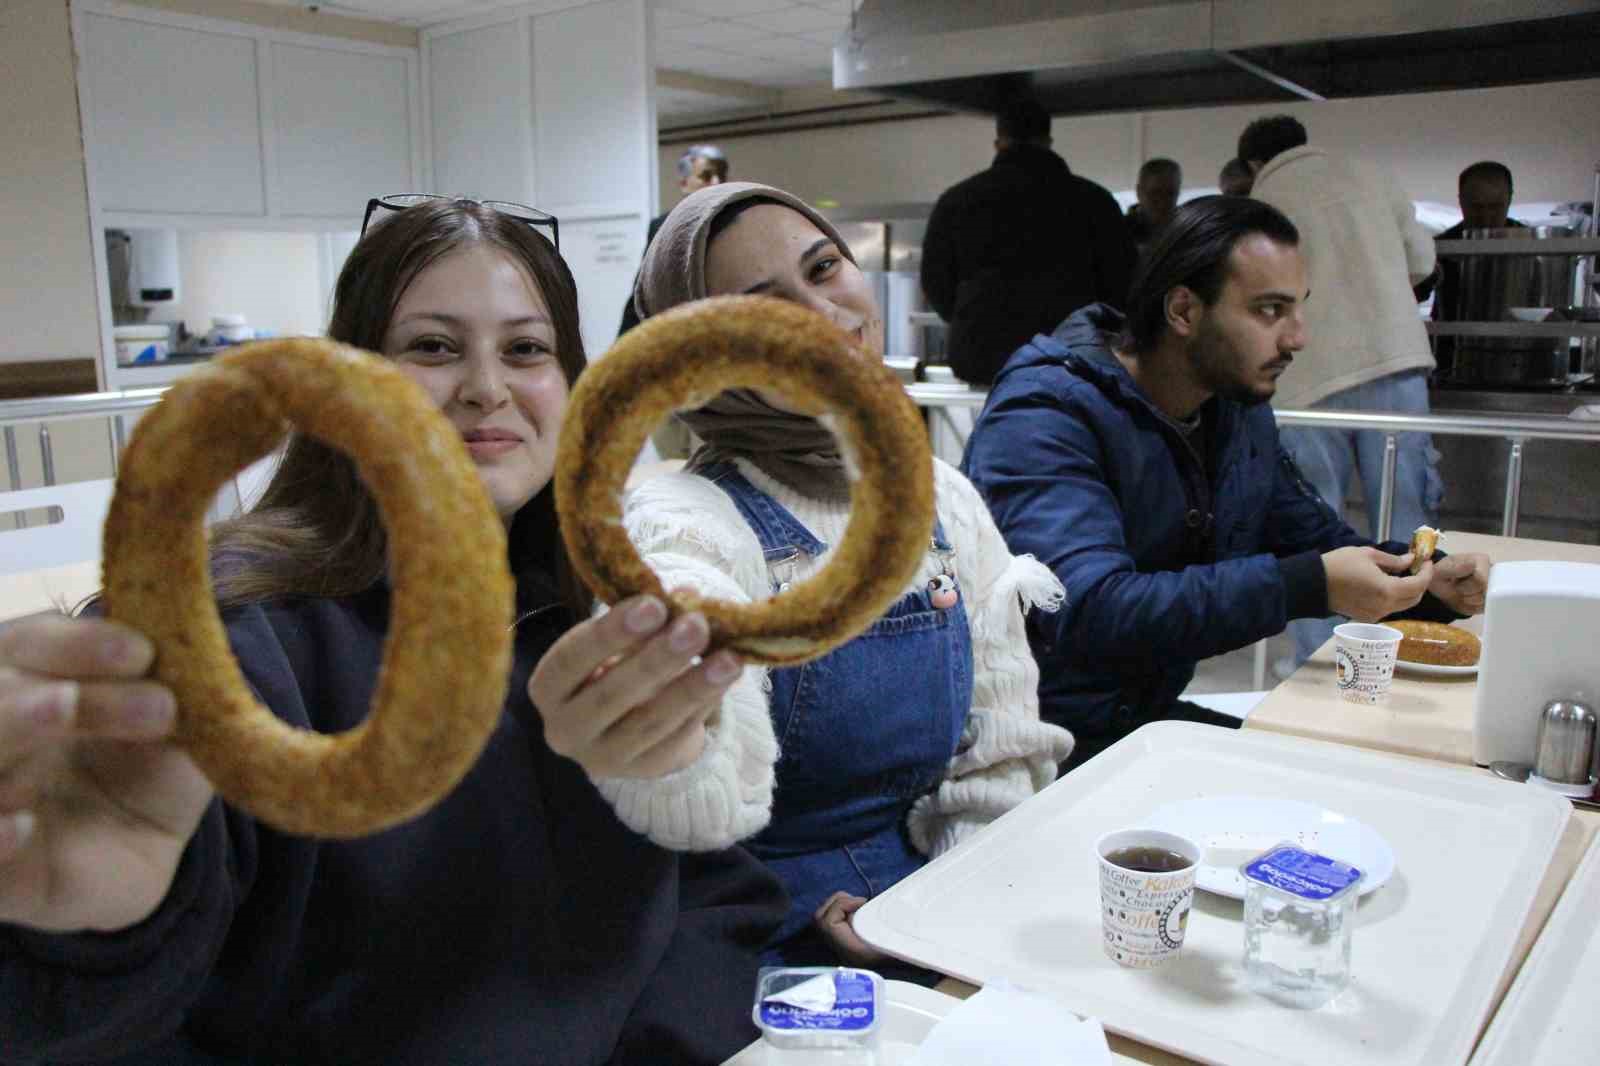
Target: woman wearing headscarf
(898, 745)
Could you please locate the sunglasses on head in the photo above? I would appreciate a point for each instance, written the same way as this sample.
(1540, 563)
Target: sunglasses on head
(522, 212)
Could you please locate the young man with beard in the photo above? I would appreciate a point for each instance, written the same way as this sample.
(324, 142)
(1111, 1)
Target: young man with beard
(1137, 458)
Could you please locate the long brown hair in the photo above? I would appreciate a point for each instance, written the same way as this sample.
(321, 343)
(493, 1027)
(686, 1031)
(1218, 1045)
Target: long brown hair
(316, 529)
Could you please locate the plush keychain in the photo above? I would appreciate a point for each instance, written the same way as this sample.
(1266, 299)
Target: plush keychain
(943, 592)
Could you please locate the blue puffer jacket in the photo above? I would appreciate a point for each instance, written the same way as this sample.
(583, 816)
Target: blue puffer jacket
(1168, 556)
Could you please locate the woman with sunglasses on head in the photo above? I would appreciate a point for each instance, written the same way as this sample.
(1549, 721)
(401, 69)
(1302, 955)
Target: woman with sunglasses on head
(142, 919)
(900, 744)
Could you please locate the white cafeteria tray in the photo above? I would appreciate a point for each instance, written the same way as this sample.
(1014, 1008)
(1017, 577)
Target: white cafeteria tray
(1549, 1015)
(1021, 901)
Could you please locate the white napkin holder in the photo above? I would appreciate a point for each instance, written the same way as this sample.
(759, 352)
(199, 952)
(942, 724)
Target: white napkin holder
(1541, 641)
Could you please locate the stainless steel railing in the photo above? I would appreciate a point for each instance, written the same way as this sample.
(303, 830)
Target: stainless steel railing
(111, 406)
(1516, 430)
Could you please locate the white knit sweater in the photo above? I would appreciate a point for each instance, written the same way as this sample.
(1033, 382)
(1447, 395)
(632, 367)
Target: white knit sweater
(693, 536)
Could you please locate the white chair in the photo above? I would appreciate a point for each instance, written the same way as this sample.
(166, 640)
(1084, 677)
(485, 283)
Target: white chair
(1234, 704)
(45, 560)
(44, 566)
(77, 511)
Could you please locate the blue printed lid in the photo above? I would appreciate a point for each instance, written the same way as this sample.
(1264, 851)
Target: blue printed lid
(1302, 873)
(841, 999)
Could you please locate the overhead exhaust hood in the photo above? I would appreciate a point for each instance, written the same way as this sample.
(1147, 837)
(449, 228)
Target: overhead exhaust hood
(1085, 56)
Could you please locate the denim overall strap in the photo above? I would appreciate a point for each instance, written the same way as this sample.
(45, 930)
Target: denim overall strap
(778, 530)
(781, 534)
(863, 730)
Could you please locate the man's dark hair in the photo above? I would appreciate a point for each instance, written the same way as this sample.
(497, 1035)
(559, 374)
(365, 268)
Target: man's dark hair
(1156, 166)
(1193, 252)
(1022, 120)
(1487, 170)
(1235, 168)
(1264, 138)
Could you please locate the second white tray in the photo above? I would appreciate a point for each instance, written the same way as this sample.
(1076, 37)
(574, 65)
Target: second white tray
(1020, 901)
(1549, 1015)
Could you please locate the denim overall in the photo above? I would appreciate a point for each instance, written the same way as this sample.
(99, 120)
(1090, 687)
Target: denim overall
(863, 731)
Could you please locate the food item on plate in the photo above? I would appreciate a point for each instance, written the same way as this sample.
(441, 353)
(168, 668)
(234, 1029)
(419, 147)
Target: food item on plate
(440, 689)
(1424, 542)
(1436, 644)
(682, 359)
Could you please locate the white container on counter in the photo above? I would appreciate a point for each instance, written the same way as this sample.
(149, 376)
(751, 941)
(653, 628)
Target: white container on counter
(139, 345)
(229, 329)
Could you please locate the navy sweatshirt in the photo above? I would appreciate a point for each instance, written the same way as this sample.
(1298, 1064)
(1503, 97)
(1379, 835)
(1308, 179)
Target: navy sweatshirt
(516, 922)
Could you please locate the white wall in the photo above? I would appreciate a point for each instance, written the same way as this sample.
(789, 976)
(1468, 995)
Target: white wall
(273, 279)
(48, 308)
(1548, 135)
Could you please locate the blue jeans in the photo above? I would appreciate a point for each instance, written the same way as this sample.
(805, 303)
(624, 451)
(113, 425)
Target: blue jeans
(1327, 457)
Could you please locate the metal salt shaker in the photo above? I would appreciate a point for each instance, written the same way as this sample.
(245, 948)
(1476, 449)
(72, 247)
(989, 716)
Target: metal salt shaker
(1565, 751)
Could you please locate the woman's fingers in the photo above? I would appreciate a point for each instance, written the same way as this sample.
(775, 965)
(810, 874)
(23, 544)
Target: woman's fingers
(125, 710)
(677, 750)
(38, 711)
(567, 667)
(635, 678)
(661, 729)
(60, 646)
(34, 711)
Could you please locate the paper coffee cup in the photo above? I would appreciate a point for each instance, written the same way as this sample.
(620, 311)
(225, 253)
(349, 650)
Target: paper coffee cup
(1363, 659)
(1144, 912)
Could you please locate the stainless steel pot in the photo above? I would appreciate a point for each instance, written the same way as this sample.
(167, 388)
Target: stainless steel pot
(1489, 286)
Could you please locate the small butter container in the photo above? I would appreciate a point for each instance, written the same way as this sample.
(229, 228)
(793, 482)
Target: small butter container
(828, 1008)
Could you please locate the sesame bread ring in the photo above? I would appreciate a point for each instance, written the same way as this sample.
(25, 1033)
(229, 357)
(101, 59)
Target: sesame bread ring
(1436, 644)
(442, 684)
(680, 360)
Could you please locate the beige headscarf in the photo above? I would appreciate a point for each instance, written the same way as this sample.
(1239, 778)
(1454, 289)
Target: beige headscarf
(795, 450)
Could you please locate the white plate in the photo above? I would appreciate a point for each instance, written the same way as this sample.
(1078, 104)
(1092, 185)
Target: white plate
(909, 1015)
(1232, 830)
(1020, 901)
(1435, 670)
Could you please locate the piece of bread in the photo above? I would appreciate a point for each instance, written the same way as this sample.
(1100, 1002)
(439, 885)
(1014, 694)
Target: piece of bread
(1437, 644)
(1424, 542)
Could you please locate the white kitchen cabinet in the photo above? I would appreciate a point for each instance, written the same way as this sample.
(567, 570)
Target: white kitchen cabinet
(172, 118)
(480, 112)
(194, 122)
(343, 128)
(590, 106)
(553, 108)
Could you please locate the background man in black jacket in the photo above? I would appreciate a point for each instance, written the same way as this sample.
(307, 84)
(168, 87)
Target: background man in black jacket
(1014, 250)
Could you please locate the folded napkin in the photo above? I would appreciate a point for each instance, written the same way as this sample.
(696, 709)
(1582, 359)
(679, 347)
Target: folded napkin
(1005, 1026)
